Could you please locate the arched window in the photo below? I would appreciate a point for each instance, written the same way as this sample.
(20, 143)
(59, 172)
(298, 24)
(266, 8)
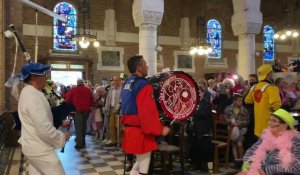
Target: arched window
(269, 52)
(214, 37)
(63, 31)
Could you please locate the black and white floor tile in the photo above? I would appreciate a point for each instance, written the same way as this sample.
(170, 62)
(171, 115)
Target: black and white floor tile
(94, 160)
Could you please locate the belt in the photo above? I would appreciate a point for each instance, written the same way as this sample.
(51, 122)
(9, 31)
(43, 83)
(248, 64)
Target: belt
(132, 126)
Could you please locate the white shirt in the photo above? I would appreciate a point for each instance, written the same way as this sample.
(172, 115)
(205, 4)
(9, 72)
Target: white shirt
(38, 135)
(113, 93)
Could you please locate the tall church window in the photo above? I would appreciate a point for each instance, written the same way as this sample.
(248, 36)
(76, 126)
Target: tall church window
(214, 37)
(269, 52)
(63, 31)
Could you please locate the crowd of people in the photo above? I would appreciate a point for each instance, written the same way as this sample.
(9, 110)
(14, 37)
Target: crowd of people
(256, 109)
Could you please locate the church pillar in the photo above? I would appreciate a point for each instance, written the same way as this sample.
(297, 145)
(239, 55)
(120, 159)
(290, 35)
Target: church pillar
(246, 23)
(147, 15)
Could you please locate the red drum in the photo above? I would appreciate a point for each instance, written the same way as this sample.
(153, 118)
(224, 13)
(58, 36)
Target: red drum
(176, 94)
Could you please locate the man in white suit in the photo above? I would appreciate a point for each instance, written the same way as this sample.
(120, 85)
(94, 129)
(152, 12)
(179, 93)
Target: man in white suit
(112, 106)
(39, 138)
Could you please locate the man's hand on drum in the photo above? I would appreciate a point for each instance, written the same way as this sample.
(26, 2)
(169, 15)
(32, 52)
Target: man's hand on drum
(166, 130)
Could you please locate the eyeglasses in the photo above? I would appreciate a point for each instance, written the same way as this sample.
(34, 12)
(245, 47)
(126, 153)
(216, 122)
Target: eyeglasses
(273, 120)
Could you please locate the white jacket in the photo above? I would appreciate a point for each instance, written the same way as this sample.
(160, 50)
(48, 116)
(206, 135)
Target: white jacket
(38, 135)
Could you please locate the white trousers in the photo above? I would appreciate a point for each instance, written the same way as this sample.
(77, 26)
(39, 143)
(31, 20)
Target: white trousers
(45, 165)
(142, 164)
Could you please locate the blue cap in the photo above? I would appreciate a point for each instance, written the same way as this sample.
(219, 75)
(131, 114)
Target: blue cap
(34, 69)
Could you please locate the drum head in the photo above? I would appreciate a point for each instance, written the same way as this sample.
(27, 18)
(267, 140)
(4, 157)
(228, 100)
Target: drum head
(178, 95)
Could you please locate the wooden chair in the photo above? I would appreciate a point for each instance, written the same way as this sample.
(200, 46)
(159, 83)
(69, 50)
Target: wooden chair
(167, 150)
(221, 141)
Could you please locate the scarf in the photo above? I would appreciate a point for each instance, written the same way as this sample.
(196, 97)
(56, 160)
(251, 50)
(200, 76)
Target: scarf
(283, 143)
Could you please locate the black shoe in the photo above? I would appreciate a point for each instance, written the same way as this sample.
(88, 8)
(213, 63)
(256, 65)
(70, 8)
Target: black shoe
(204, 167)
(79, 147)
(238, 163)
(129, 168)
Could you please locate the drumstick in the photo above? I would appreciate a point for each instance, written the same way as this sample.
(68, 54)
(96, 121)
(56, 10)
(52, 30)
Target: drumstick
(174, 120)
(68, 129)
(161, 118)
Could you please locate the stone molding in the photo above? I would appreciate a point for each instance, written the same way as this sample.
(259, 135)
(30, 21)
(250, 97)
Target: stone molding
(46, 31)
(148, 27)
(246, 28)
(212, 63)
(184, 31)
(110, 27)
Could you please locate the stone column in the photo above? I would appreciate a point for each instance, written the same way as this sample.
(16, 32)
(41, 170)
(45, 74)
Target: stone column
(246, 23)
(147, 15)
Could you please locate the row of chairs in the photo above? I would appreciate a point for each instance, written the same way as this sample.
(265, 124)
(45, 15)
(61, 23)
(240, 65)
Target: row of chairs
(221, 141)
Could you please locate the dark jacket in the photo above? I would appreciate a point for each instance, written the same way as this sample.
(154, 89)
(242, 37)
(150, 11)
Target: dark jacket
(202, 121)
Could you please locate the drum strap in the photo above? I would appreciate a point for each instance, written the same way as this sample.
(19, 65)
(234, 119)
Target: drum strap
(134, 81)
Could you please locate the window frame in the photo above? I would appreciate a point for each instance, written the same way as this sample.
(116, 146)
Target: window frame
(264, 50)
(75, 28)
(100, 65)
(185, 53)
(208, 39)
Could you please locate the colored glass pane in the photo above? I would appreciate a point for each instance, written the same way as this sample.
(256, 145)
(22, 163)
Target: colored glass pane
(269, 51)
(63, 31)
(214, 37)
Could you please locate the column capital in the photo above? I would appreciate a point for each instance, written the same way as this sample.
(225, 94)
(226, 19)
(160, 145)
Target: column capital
(147, 12)
(247, 18)
(246, 28)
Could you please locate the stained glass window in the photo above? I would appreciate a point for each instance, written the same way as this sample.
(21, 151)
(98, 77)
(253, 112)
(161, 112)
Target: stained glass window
(214, 37)
(269, 52)
(63, 31)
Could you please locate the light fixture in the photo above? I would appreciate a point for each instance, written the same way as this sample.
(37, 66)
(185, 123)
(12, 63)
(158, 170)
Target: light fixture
(288, 31)
(200, 47)
(96, 44)
(84, 37)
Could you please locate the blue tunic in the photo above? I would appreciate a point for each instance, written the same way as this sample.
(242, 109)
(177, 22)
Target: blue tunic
(131, 88)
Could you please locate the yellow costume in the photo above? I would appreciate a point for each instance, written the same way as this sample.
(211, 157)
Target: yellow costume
(265, 98)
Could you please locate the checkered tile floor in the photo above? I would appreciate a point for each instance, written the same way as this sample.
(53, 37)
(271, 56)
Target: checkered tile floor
(91, 160)
(94, 160)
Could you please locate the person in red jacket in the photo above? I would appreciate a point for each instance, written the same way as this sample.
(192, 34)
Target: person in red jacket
(140, 116)
(82, 98)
